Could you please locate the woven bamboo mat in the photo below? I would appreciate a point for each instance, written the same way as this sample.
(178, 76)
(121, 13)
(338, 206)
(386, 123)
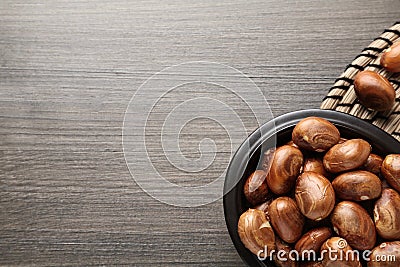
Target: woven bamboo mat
(341, 97)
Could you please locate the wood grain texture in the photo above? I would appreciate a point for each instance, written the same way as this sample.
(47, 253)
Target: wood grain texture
(67, 72)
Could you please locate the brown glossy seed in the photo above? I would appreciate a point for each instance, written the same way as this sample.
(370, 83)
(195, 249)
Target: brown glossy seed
(342, 140)
(314, 195)
(286, 219)
(353, 223)
(373, 164)
(312, 241)
(255, 232)
(336, 252)
(315, 164)
(387, 215)
(256, 188)
(374, 91)
(390, 59)
(357, 186)
(391, 170)
(291, 143)
(386, 254)
(284, 260)
(315, 134)
(286, 166)
(347, 156)
(264, 207)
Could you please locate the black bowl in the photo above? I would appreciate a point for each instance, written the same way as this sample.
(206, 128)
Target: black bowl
(246, 159)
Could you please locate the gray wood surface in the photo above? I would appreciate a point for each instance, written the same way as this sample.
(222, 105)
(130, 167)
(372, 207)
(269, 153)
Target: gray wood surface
(67, 72)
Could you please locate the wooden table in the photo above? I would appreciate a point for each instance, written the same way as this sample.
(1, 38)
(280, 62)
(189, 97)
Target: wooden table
(68, 70)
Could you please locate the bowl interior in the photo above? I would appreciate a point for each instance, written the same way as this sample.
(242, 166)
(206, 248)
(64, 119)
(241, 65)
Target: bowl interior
(280, 129)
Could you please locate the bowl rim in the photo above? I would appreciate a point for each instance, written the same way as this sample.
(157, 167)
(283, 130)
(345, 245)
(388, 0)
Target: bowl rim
(270, 129)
